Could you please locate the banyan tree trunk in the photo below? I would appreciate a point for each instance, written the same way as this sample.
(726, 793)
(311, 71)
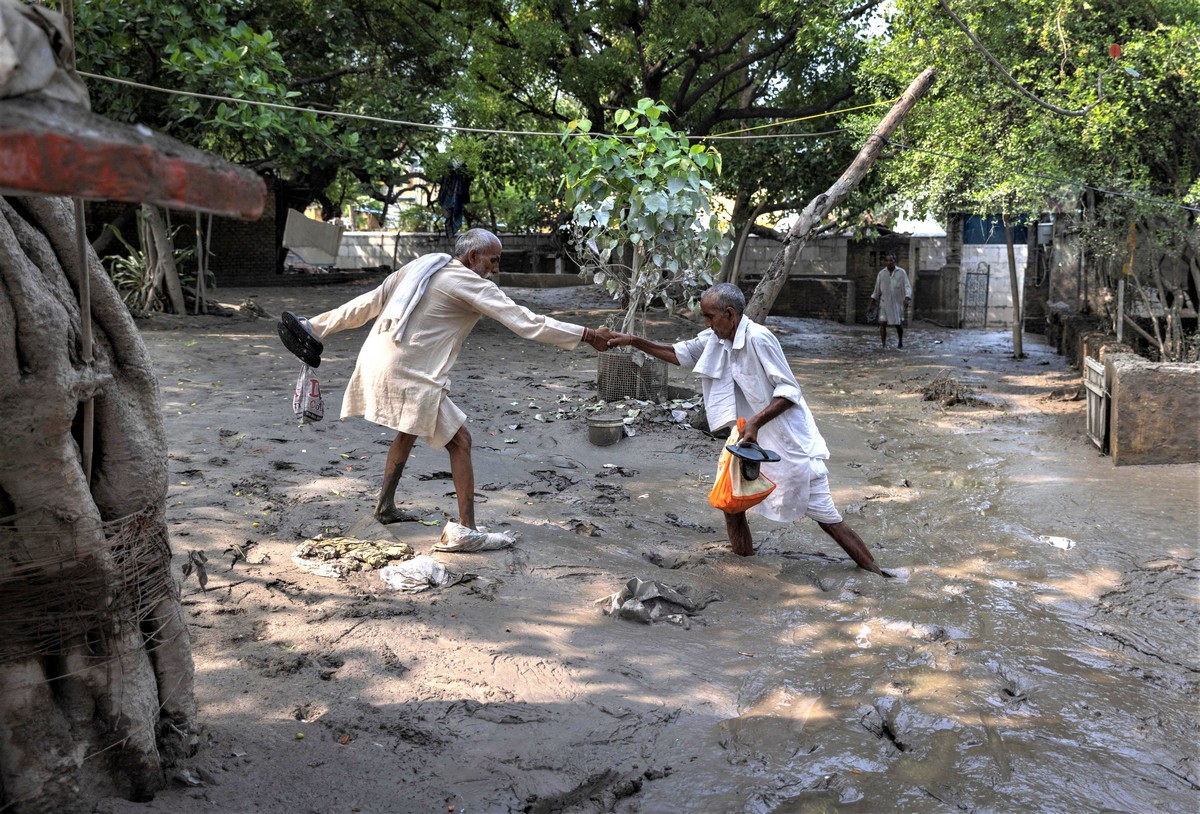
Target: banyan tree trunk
(96, 676)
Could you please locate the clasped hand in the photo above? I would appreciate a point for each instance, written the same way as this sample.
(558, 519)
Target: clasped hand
(600, 338)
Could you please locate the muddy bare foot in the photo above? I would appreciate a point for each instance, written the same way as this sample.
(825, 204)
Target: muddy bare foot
(394, 515)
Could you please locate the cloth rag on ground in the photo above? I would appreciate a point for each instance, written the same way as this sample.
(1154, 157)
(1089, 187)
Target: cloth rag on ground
(421, 573)
(649, 601)
(459, 538)
(338, 557)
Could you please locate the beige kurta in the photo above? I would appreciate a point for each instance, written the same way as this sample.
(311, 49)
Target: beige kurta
(405, 385)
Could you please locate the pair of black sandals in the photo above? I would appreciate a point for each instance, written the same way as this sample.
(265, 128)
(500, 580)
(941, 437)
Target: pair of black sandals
(298, 338)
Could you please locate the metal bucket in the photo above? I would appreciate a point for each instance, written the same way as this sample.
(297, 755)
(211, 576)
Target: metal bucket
(605, 430)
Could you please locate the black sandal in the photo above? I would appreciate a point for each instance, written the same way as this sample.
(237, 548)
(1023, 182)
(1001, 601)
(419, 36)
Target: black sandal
(297, 338)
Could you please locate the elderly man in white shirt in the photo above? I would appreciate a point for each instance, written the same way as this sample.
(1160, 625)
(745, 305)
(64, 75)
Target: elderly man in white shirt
(423, 313)
(743, 373)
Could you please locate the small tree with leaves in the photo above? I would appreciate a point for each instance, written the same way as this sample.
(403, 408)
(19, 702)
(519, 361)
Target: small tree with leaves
(642, 224)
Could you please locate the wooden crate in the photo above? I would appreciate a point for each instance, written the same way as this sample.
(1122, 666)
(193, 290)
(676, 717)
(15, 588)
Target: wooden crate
(1097, 403)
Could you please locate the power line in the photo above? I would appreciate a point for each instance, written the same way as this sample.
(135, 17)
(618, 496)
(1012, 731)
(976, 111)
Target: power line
(733, 135)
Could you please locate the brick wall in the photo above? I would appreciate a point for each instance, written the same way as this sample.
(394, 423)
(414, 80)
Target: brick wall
(243, 253)
(829, 298)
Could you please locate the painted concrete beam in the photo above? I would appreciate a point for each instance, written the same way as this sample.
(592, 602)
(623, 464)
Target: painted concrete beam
(55, 148)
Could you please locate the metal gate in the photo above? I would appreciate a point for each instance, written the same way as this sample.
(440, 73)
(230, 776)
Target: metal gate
(975, 297)
(1097, 403)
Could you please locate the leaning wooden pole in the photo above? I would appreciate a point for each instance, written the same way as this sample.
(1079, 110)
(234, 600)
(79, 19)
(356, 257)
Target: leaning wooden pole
(819, 207)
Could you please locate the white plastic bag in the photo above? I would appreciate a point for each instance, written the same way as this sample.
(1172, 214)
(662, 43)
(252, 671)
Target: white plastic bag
(419, 574)
(456, 537)
(306, 398)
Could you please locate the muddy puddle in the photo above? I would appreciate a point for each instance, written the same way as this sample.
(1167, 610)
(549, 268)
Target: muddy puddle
(1037, 650)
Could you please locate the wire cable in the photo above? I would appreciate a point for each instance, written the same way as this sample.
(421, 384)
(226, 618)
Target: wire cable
(738, 135)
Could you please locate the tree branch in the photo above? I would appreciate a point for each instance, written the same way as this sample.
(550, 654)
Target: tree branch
(738, 65)
(1100, 97)
(820, 206)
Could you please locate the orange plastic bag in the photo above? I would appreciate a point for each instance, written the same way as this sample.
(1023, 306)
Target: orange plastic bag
(731, 492)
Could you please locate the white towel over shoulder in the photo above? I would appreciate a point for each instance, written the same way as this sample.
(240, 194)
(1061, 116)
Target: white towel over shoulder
(408, 292)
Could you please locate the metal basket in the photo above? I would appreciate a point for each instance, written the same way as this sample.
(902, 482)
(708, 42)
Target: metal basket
(621, 375)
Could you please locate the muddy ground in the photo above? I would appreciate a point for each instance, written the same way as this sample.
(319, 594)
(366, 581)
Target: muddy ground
(1036, 652)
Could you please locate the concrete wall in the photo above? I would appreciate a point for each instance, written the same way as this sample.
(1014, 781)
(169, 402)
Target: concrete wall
(1154, 412)
(523, 254)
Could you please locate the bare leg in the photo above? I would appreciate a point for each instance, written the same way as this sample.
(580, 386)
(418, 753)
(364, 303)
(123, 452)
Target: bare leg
(883, 334)
(739, 534)
(900, 334)
(853, 545)
(462, 471)
(385, 509)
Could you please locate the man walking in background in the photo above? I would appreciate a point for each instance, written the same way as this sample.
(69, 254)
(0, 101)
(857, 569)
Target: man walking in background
(892, 294)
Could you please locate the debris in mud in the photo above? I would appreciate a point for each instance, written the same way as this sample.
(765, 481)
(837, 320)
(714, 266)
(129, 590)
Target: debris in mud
(1065, 543)
(456, 537)
(1074, 392)
(251, 308)
(337, 557)
(421, 573)
(948, 391)
(674, 520)
(584, 528)
(650, 601)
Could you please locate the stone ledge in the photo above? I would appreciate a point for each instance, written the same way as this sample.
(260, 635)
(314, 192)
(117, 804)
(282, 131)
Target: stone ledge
(1154, 410)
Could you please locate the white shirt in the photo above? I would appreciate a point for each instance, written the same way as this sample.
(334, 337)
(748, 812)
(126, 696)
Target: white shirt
(892, 288)
(739, 378)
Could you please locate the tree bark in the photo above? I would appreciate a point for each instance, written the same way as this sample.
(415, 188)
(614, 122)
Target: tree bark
(96, 675)
(776, 275)
(164, 255)
(1018, 312)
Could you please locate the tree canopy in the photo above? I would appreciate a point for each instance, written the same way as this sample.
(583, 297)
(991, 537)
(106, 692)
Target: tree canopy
(1103, 95)
(986, 139)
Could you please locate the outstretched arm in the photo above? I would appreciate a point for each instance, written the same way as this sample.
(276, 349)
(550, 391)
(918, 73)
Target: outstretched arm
(656, 349)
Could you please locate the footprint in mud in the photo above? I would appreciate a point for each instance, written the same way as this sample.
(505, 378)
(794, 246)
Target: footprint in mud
(672, 562)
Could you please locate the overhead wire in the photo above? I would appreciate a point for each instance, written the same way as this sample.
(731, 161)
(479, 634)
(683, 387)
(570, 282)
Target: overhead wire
(733, 134)
(743, 134)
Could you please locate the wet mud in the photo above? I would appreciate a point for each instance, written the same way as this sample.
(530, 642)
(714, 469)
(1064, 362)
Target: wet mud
(1036, 650)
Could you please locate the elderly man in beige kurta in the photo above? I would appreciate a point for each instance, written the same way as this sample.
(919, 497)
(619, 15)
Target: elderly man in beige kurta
(402, 377)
